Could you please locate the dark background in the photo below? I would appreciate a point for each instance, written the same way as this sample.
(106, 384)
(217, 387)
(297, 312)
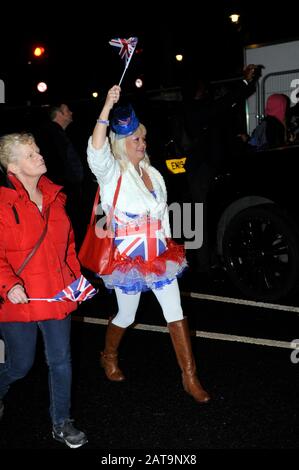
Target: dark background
(79, 60)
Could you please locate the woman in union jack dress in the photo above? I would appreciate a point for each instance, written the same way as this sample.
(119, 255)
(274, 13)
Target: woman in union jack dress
(146, 257)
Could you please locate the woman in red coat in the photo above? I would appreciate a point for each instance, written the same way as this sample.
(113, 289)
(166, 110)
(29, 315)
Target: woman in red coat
(32, 214)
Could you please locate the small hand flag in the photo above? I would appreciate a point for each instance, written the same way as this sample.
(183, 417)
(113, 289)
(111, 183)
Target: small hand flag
(127, 48)
(77, 291)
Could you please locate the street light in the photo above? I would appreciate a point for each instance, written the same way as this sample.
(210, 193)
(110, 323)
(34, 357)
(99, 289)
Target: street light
(42, 87)
(234, 17)
(139, 82)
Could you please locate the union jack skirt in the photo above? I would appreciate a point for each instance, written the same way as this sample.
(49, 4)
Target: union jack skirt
(144, 258)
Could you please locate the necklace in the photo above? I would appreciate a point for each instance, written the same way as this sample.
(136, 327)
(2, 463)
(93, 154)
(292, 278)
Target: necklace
(140, 172)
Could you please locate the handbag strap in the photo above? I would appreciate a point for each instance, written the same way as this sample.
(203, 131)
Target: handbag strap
(36, 246)
(96, 202)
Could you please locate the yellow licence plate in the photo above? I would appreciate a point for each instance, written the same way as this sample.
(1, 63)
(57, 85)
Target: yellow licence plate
(176, 165)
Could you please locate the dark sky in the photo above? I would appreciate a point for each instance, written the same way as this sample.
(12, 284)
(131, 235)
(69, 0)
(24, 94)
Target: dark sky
(79, 59)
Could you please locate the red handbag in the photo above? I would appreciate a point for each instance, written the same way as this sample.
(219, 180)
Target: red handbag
(97, 250)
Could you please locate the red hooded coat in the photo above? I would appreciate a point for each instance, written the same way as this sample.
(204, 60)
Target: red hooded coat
(53, 266)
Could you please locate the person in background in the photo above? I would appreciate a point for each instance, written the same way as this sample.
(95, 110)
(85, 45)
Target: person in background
(276, 111)
(64, 165)
(37, 259)
(146, 257)
(212, 133)
(273, 130)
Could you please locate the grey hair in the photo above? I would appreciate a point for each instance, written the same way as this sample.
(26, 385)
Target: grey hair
(119, 151)
(8, 146)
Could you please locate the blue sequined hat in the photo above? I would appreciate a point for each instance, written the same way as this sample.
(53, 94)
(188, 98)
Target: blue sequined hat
(124, 121)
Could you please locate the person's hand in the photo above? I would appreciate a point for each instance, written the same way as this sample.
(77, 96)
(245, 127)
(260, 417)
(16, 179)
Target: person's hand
(291, 137)
(113, 96)
(17, 295)
(251, 72)
(243, 137)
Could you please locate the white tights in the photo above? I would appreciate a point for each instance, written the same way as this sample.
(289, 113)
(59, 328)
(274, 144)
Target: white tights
(168, 297)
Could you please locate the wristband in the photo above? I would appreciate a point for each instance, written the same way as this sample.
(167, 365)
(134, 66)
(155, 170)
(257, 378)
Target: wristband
(103, 121)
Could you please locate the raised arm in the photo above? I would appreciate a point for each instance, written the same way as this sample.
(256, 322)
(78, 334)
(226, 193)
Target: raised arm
(100, 130)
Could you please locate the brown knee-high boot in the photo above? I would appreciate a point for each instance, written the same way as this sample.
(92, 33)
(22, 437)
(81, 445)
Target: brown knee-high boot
(109, 360)
(180, 336)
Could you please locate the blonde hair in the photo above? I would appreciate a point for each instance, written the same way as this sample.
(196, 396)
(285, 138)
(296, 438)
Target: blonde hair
(118, 147)
(8, 146)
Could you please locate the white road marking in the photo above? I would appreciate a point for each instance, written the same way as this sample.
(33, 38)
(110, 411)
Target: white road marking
(250, 303)
(201, 334)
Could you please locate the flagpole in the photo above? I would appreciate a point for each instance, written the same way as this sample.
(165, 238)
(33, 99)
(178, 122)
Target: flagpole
(47, 300)
(122, 76)
(127, 65)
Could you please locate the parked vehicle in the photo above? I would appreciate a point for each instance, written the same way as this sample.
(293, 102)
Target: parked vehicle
(256, 223)
(253, 220)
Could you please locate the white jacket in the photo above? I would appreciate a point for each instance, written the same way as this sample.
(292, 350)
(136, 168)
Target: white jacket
(134, 197)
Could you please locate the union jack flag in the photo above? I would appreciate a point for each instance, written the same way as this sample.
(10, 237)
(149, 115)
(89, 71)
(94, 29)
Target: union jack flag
(77, 291)
(127, 47)
(144, 238)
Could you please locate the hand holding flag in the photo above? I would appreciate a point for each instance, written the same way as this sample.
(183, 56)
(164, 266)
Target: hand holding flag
(77, 291)
(127, 48)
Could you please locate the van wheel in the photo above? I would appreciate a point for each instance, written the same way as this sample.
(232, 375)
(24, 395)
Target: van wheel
(261, 253)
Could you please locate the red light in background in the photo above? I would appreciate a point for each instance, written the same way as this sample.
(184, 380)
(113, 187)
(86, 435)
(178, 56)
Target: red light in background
(38, 51)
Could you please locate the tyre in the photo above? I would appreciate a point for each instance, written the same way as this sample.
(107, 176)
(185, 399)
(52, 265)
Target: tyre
(261, 253)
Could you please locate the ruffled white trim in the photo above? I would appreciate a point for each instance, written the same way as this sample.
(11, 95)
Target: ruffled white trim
(134, 281)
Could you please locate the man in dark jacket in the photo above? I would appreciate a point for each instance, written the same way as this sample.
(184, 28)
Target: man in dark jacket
(210, 133)
(63, 161)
